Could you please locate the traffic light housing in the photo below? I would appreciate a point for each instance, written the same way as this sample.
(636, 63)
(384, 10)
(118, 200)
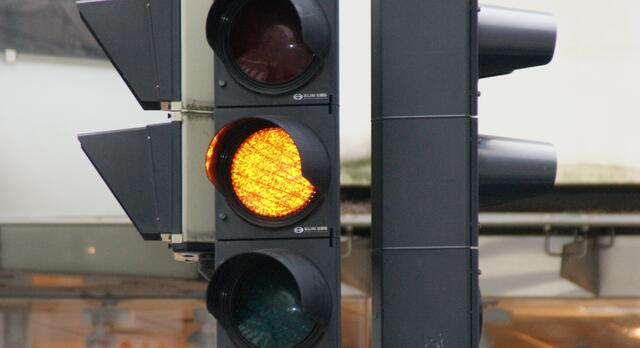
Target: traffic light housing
(159, 49)
(431, 170)
(274, 161)
(276, 108)
(255, 159)
(281, 52)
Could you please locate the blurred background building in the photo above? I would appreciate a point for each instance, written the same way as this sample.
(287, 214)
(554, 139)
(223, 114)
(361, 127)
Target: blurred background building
(558, 270)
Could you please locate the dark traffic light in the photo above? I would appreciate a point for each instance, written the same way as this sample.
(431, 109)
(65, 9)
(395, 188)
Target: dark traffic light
(431, 170)
(274, 161)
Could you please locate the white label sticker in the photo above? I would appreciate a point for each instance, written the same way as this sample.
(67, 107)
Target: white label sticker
(311, 229)
(310, 96)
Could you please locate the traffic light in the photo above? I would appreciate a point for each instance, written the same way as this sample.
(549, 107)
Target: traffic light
(272, 155)
(159, 49)
(431, 170)
(274, 162)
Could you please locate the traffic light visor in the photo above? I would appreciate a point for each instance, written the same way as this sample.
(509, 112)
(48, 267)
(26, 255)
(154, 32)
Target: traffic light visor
(269, 173)
(269, 46)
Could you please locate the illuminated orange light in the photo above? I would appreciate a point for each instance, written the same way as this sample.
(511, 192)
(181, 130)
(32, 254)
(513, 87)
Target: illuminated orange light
(266, 174)
(210, 158)
(634, 333)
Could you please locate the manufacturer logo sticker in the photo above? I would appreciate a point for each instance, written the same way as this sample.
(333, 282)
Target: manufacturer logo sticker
(311, 229)
(310, 96)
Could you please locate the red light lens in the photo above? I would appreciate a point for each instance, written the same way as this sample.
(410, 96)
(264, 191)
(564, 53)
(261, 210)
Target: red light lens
(266, 42)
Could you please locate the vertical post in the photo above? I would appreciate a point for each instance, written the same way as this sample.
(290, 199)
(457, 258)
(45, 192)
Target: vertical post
(425, 180)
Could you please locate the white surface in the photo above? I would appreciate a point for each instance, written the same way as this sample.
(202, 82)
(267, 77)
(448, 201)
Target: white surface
(355, 79)
(197, 56)
(45, 104)
(198, 202)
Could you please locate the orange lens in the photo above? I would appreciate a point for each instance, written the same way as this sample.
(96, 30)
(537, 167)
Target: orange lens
(209, 162)
(266, 174)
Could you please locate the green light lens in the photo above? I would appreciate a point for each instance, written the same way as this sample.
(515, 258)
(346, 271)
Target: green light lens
(267, 310)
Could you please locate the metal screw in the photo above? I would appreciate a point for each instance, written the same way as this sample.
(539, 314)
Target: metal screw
(222, 83)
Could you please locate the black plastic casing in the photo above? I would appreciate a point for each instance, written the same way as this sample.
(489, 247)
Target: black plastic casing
(142, 40)
(142, 168)
(310, 114)
(322, 221)
(315, 236)
(510, 169)
(424, 174)
(511, 39)
(320, 88)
